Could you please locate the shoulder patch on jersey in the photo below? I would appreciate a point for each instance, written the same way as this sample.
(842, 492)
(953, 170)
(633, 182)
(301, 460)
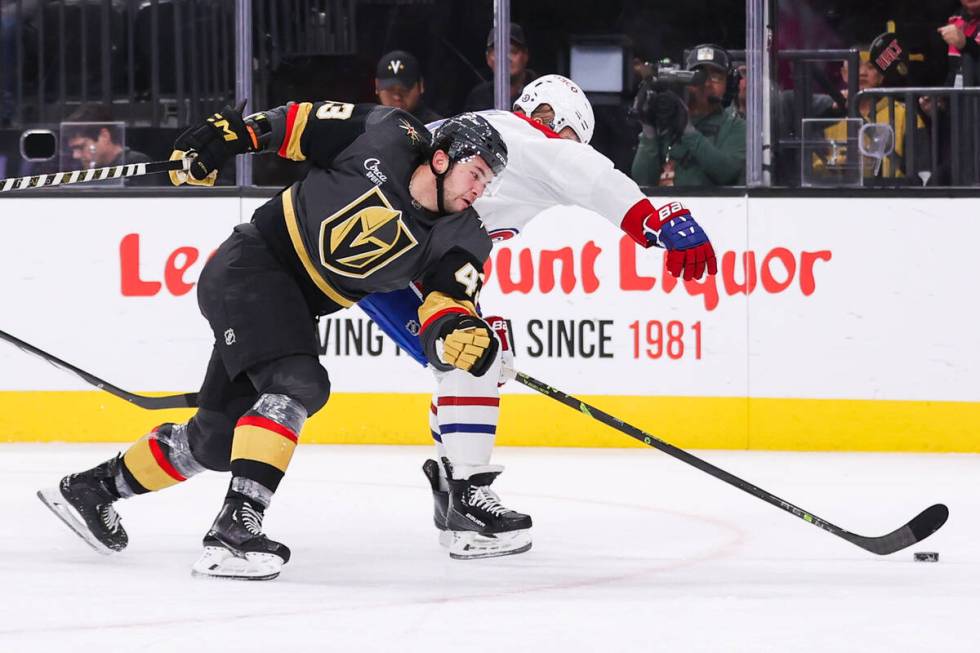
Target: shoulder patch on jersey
(372, 167)
(364, 236)
(410, 130)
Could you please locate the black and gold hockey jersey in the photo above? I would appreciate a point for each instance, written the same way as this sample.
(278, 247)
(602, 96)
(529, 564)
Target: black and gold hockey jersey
(351, 227)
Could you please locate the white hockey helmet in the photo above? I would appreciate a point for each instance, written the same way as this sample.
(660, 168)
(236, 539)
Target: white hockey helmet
(571, 107)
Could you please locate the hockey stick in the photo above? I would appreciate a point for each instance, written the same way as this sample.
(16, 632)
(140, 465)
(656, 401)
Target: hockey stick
(922, 525)
(187, 400)
(92, 174)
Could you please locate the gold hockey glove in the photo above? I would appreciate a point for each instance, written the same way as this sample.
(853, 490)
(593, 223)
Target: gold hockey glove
(468, 343)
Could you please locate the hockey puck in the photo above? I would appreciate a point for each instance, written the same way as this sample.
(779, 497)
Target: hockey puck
(926, 556)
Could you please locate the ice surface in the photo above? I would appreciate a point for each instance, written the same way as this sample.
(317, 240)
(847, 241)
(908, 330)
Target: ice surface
(633, 551)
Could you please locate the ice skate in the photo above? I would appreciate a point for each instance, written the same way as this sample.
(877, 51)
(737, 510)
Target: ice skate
(479, 525)
(440, 501)
(236, 549)
(84, 502)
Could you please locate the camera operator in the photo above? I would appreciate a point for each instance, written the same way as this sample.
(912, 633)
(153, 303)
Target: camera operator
(696, 143)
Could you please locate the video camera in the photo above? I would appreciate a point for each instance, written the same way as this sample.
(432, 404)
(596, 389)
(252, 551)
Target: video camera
(670, 76)
(652, 105)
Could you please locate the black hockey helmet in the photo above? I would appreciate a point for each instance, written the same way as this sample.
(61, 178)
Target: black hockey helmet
(469, 134)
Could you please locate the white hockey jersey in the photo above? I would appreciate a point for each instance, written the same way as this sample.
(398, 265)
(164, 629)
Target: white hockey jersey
(544, 171)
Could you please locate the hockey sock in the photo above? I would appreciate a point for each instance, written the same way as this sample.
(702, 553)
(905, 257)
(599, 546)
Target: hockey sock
(466, 412)
(159, 459)
(264, 441)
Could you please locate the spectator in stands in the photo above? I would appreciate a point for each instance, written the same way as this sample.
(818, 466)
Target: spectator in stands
(962, 34)
(94, 142)
(481, 95)
(398, 83)
(872, 73)
(696, 143)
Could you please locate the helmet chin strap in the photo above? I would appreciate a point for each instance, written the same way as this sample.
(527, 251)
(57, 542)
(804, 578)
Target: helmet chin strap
(440, 185)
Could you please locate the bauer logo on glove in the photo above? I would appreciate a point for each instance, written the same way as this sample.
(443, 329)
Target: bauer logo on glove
(501, 327)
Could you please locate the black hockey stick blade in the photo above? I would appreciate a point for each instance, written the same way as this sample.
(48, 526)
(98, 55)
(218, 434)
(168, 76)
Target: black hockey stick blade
(187, 400)
(922, 526)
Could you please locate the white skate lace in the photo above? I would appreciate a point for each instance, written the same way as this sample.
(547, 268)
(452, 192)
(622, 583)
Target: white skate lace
(109, 517)
(251, 519)
(485, 498)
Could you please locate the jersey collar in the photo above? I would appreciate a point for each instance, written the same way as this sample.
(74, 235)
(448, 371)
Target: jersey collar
(544, 129)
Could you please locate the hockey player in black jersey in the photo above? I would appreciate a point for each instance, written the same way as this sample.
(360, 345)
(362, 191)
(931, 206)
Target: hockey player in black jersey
(385, 204)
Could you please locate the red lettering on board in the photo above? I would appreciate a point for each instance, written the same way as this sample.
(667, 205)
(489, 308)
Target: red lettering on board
(130, 282)
(175, 270)
(173, 273)
(740, 273)
(547, 271)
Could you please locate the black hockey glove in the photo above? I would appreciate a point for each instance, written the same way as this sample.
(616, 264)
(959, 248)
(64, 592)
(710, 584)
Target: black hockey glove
(210, 144)
(669, 113)
(468, 343)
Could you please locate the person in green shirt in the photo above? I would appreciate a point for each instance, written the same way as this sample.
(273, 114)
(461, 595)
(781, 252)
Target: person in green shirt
(697, 143)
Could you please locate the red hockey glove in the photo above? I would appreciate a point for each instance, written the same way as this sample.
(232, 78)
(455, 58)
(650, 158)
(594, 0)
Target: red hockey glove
(689, 252)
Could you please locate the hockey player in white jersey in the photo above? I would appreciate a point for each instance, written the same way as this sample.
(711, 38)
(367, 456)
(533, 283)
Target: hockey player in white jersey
(550, 164)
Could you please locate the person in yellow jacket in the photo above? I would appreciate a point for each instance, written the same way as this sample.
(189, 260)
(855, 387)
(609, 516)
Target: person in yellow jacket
(870, 76)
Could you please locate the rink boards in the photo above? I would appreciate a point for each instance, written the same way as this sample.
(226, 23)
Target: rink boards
(834, 324)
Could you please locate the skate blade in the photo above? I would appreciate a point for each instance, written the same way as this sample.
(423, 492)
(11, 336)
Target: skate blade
(468, 545)
(219, 562)
(53, 499)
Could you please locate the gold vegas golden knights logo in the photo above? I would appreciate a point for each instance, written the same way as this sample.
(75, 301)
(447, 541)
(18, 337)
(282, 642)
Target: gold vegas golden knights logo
(364, 236)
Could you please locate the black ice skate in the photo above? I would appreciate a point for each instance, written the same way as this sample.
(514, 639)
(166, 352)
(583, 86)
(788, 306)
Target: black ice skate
(480, 526)
(440, 501)
(235, 548)
(84, 502)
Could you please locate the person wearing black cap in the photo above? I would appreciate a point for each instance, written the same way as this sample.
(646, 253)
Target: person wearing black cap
(481, 95)
(883, 63)
(398, 83)
(695, 143)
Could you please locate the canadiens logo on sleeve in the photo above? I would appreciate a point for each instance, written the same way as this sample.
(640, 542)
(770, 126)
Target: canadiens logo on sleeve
(364, 236)
(498, 235)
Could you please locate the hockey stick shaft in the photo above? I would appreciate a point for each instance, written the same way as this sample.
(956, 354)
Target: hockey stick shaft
(923, 525)
(92, 174)
(187, 400)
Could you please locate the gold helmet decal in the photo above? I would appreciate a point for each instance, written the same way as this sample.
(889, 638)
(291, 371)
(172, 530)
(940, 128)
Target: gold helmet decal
(364, 236)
